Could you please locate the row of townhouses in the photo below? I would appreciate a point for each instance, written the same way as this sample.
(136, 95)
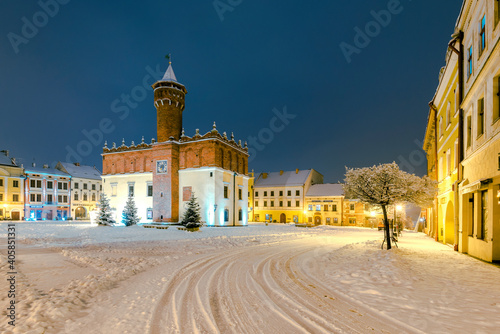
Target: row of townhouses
(45, 193)
(462, 139)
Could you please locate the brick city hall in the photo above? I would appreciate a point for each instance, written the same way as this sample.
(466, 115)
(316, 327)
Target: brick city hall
(163, 175)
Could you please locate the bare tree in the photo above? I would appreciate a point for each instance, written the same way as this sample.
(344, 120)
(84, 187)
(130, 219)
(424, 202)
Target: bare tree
(386, 184)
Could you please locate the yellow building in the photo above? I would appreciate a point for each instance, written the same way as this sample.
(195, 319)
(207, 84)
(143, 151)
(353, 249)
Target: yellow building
(445, 107)
(11, 188)
(323, 204)
(280, 196)
(479, 229)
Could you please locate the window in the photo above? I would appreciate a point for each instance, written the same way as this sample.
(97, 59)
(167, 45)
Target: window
(32, 197)
(240, 194)
(289, 204)
(448, 162)
(1, 182)
(15, 198)
(149, 213)
(75, 185)
(150, 190)
(272, 204)
(113, 189)
(75, 197)
(65, 186)
(310, 207)
(49, 198)
(84, 186)
(297, 192)
(256, 203)
(484, 214)
(472, 208)
(281, 204)
(335, 220)
(318, 207)
(226, 215)
(457, 100)
(32, 184)
(38, 183)
(50, 184)
(469, 131)
(256, 194)
(131, 190)
(448, 114)
(240, 215)
(480, 117)
(328, 220)
(352, 221)
(59, 185)
(59, 198)
(272, 193)
(440, 127)
(496, 99)
(265, 204)
(482, 35)
(334, 207)
(297, 203)
(295, 219)
(39, 197)
(1, 212)
(289, 193)
(310, 219)
(325, 207)
(281, 193)
(85, 197)
(226, 192)
(65, 199)
(351, 207)
(93, 197)
(15, 183)
(93, 187)
(265, 193)
(469, 63)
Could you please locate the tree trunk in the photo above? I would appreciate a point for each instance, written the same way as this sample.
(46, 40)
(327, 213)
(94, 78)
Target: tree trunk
(386, 224)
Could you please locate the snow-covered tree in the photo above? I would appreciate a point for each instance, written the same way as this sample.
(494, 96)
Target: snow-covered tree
(385, 185)
(129, 214)
(104, 216)
(192, 216)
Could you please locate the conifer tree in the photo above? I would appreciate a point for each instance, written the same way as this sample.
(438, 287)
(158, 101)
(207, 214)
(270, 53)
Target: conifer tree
(129, 214)
(104, 217)
(192, 216)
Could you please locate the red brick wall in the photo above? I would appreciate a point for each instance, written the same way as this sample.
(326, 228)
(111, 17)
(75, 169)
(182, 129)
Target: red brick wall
(139, 161)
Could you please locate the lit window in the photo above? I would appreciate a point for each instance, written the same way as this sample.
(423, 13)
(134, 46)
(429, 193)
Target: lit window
(310, 207)
(351, 207)
(149, 214)
(482, 34)
(318, 207)
(226, 215)
(469, 62)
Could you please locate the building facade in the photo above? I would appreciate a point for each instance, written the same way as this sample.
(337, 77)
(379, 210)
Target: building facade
(47, 193)
(11, 188)
(280, 196)
(479, 230)
(324, 204)
(86, 187)
(163, 175)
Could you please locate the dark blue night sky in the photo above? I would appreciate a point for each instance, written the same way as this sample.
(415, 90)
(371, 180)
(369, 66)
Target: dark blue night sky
(79, 67)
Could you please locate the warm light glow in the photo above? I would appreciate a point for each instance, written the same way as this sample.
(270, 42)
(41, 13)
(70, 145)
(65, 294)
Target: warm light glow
(373, 214)
(399, 208)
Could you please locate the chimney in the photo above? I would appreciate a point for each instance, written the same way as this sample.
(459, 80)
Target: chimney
(297, 171)
(33, 164)
(45, 166)
(264, 175)
(281, 172)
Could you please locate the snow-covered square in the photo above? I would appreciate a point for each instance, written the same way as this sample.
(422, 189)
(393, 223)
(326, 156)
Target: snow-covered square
(81, 278)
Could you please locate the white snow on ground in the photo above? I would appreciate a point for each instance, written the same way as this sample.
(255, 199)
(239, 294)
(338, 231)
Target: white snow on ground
(79, 278)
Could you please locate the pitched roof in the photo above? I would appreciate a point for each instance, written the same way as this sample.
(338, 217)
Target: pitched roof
(169, 74)
(84, 172)
(5, 160)
(43, 170)
(277, 179)
(325, 190)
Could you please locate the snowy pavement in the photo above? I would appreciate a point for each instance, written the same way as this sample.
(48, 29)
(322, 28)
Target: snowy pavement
(78, 278)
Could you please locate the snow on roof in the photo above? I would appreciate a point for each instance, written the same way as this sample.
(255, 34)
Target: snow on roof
(325, 190)
(43, 170)
(169, 74)
(5, 160)
(291, 178)
(84, 172)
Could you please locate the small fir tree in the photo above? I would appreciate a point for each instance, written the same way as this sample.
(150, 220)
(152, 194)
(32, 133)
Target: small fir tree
(129, 214)
(192, 216)
(104, 217)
